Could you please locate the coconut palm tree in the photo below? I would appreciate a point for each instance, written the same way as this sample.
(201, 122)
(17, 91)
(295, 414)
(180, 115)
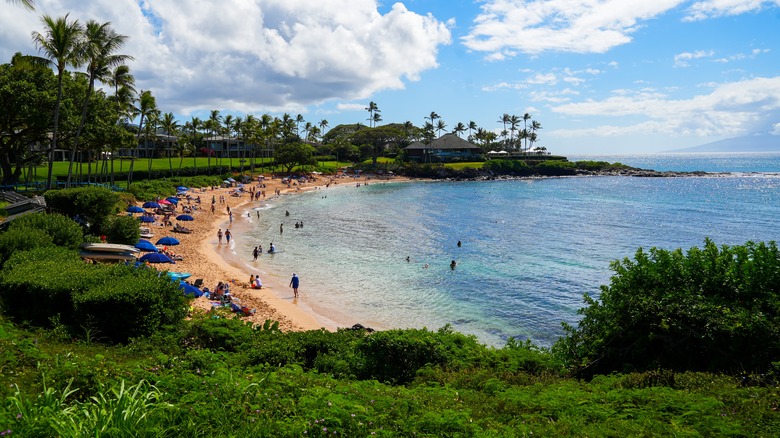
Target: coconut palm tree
(150, 133)
(504, 119)
(323, 125)
(514, 121)
(472, 127)
(214, 125)
(535, 126)
(29, 4)
(124, 89)
(171, 127)
(440, 126)
(99, 51)
(459, 129)
(372, 109)
(59, 44)
(526, 118)
(147, 104)
(228, 127)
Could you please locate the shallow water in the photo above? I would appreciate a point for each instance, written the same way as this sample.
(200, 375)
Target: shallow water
(530, 248)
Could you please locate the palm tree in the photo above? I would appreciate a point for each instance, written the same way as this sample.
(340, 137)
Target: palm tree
(228, 127)
(238, 129)
(323, 125)
(298, 120)
(59, 44)
(99, 47)
(535, 126)
(194, 125)
(377, 117)
(504, 119)
(472, 127)
(526, 118)
(440, 126)
(146, 105)
(29, 4)
(171, 127)
(123, 82)
(513, 122)
(459, 129)
(214, 125)
(372, 109)
(150, 133)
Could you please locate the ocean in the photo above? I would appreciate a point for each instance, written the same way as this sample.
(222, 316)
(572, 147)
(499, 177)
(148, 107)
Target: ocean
(530, 249)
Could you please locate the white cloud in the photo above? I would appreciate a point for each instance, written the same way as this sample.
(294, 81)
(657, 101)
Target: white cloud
(718, 8)
(681, 59)
(253, 55)
(728, 110)
(582, 26)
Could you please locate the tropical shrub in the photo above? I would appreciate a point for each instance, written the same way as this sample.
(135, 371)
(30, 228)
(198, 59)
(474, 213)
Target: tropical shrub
(63, 231)
(709, 309)
(21, 239)
(124, 302)
(507, 167)
(122, 229)
(92, 205)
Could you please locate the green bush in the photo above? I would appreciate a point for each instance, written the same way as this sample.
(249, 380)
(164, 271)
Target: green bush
(125, 302)
(36, 285)
(92, 205)
(708, 310)
(122, 229)
(21, 239)
(63, 231)
(395, 356)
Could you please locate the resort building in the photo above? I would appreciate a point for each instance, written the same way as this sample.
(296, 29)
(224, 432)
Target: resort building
(448, 147)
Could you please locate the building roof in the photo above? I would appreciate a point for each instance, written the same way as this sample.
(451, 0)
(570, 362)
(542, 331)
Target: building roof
(446, 141)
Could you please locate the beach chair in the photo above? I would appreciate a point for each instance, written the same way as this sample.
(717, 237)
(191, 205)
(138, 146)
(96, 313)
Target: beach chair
(198, 282)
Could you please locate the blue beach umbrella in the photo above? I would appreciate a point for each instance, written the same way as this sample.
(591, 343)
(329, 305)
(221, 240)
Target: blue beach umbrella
(182, 189)
(168, 240)
(146, 219)
(156, 257)
(145, 245)
(184, 217)
(151, 204)
(173, 199)
(134, 209)
(190, 289)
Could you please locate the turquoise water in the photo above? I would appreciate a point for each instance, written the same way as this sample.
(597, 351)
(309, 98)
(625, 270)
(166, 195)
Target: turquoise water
(530, 248)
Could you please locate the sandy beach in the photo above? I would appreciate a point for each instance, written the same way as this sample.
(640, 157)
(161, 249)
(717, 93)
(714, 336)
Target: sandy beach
(205, 258)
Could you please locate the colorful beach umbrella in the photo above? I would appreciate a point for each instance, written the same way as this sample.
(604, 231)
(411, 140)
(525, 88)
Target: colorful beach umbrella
(168, 240)
(184, 217)
(134, 209)
(146, 219)
(165, 201)
(156, 257)
(173, 200)
(151, 204)
(145, 245)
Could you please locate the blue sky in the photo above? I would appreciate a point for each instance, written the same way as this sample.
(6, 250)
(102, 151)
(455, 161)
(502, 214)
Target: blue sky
(620, 76)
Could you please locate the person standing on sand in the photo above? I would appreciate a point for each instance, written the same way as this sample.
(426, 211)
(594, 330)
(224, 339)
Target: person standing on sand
(294, 282)
(219, 236)
(227, 236)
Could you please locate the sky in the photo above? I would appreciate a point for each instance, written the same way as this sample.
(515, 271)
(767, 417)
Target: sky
(600, 76)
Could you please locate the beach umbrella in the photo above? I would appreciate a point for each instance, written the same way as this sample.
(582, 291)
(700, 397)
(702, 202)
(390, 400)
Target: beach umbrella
(184, 217)
(156, 257)
(134, 209)
(145, 245)
(231, 180)
(151, 204)
(165, 201)
(182, 189)
(173, 199)
(190, 289)
(146, 219)
(168, 240)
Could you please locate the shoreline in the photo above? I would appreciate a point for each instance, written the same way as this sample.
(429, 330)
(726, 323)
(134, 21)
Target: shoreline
(206, 259)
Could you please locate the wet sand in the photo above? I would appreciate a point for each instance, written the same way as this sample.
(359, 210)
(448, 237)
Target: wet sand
(206, 259)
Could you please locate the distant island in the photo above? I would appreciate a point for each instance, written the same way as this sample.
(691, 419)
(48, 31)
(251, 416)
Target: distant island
(762, 142)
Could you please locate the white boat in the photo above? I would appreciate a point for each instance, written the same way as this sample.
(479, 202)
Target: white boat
(109, 248)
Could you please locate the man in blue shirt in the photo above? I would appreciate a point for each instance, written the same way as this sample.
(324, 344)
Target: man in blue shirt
(294, 282)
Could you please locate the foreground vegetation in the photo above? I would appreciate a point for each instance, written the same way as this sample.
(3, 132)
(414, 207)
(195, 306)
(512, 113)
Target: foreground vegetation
(679, 343)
